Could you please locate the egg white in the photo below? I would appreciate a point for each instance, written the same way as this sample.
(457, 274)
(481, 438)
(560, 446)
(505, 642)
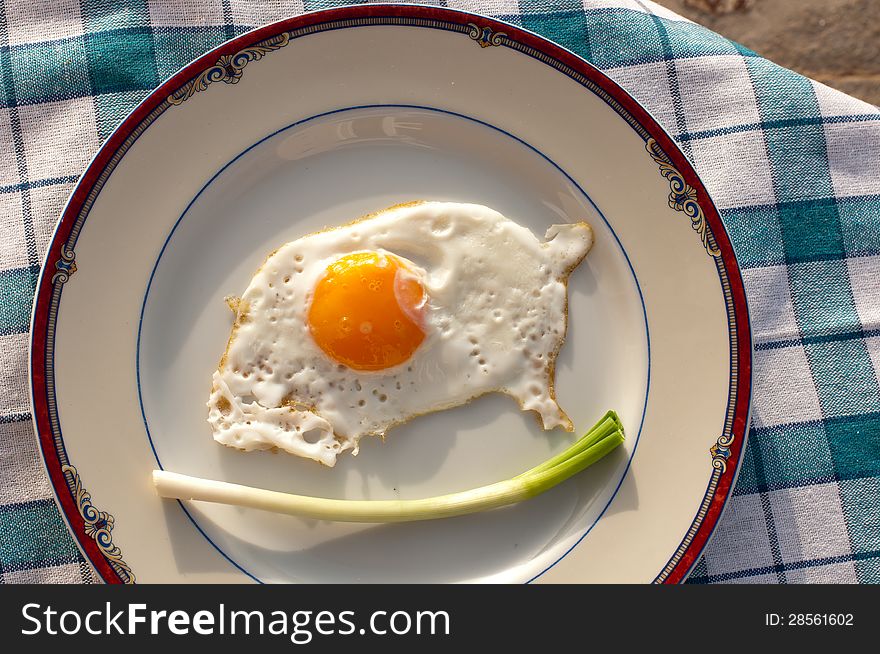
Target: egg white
(495, 321)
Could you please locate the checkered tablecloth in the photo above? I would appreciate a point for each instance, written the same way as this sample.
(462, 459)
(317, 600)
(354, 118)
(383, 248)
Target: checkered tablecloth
(793, 166)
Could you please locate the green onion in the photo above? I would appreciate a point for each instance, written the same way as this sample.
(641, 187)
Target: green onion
(603, 438)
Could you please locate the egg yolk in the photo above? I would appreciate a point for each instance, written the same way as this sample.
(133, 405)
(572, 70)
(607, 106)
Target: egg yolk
(367, 311)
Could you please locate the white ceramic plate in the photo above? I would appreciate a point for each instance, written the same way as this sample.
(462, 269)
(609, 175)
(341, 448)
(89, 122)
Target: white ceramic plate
(313, 122)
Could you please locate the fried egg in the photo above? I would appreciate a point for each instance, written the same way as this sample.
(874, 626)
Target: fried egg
(422, 307)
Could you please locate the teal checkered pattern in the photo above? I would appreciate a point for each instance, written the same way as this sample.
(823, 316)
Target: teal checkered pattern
(793, 166)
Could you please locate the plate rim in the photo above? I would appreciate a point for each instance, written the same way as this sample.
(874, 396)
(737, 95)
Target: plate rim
(74, 501)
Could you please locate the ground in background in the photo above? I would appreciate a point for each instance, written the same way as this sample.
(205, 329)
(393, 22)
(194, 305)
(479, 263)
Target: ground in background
(833, 41)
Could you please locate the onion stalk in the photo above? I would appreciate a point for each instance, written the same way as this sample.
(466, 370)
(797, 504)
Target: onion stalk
(602, 439)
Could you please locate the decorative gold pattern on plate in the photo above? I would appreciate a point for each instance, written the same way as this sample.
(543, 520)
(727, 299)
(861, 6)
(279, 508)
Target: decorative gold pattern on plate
(682, 196)
(65, 266)
(721, 452)
(98, 525)
(228, 68)
(485, 36)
